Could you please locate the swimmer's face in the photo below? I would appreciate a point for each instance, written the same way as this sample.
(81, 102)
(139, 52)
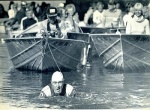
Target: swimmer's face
(57, 86)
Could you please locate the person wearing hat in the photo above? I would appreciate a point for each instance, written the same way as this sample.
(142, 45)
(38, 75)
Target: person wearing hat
(51, 25)
(57, 87)
(138, 24)
(112, 17)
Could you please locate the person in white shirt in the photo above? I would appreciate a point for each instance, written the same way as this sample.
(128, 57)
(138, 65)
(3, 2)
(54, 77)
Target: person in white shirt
(51, 25)
(98, 15)
(71, 12)
(89, 14)
(72, 19)
(112, 16)
(138, 24)
(12, 11)
(146, 12)
(129, 15)
(57, 87)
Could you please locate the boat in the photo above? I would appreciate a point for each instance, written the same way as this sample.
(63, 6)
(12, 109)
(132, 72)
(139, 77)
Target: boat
(87, 54)
(44, 53)
(123, 52)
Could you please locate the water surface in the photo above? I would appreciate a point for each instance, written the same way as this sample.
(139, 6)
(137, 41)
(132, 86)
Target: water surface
(96, 88)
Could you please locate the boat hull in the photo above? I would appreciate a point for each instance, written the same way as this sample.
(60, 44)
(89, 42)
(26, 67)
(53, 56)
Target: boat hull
(124, 53)
(44, 54)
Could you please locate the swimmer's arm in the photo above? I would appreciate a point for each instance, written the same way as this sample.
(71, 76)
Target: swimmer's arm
(73, 93)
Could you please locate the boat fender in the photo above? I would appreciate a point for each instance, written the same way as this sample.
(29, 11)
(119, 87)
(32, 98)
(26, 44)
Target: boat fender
(84, 57)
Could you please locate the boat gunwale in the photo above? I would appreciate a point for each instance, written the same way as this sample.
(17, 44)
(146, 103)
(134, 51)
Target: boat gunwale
(120, 34)
(40, 38)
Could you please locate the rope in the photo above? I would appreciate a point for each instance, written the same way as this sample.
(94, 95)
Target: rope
(54, 59)
(64, 53)
(45, 37)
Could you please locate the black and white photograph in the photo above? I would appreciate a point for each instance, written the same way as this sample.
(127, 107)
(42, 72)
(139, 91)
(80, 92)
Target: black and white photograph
(74, 54)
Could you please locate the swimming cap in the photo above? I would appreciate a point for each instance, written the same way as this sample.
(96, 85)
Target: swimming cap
(57, 76)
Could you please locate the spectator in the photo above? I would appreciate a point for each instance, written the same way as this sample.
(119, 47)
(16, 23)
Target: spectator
(71, 13)
(88, 17)
(138, 24)
(118, 5)
(72, 20)
(32, 5)
(12, 11)
(61, 12)
(20, 14)
(98, 15)
(146, 12)
(129, 15)
(10, 3)
(3, 13)
(29, 20)
(112, 16)
(51, 25)
(42, 11)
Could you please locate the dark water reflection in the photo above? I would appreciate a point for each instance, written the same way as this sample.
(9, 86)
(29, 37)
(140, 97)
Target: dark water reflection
(96, 88)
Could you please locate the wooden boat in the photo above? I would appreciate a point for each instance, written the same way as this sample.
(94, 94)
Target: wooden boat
(44, 54)
(123, 52)
(87, 50)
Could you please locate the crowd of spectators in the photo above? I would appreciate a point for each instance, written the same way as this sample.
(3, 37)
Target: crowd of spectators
(97, 15)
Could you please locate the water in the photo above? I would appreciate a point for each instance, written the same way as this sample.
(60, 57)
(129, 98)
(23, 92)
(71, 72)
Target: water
(96, 88)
